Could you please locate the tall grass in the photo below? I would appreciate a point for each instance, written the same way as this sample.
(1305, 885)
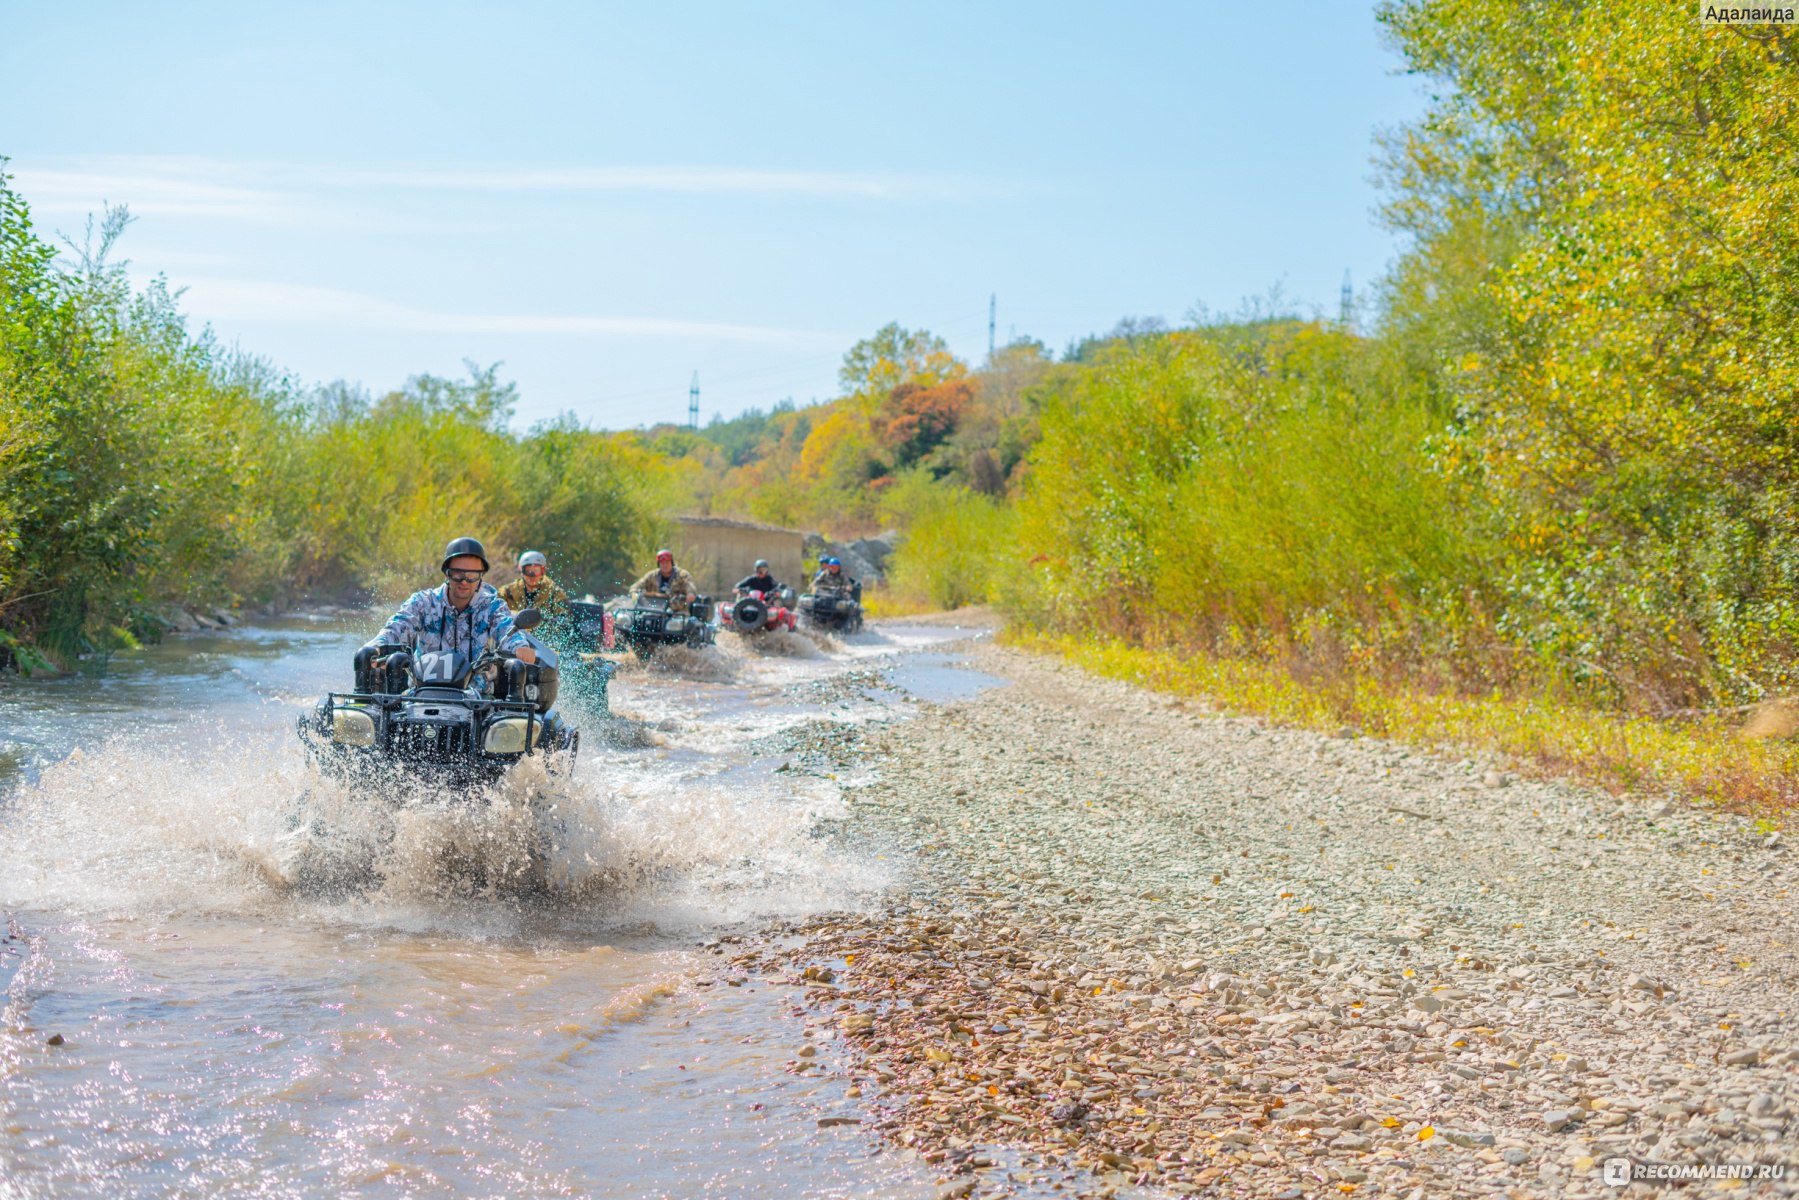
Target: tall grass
(1703, 759)
(1245, 488)
(958, 544)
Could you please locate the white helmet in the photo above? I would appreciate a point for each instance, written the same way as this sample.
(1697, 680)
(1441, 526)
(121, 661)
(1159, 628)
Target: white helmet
(533, 558)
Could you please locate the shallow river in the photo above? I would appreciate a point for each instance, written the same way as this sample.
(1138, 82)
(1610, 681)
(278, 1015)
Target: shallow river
(179, 1022)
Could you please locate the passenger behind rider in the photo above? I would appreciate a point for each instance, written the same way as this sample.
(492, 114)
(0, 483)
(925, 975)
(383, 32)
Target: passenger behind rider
(667, 580)
(463, 614)
(761, 581)
(534, 588)
(831, 579)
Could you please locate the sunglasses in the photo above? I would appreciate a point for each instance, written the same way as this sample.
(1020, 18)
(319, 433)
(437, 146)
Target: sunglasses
(534, 570)
(464, 576)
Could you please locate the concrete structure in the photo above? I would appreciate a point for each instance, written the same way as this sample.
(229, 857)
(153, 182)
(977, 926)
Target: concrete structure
(718, 551)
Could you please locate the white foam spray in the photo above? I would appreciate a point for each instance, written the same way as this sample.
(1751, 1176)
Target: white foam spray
(136, 826)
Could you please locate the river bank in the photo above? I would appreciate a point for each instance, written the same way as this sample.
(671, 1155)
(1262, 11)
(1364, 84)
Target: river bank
(1144, 944)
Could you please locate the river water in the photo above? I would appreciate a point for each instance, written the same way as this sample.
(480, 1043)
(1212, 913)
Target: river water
(180, 1021)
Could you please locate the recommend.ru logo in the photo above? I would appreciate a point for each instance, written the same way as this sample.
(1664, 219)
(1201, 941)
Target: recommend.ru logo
(1620, 1172)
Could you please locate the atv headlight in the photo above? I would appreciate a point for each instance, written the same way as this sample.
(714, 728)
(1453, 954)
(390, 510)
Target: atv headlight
(352, 727)
(507, 735)
(677, 624)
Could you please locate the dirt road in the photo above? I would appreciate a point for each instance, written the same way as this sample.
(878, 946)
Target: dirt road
(1144, 945)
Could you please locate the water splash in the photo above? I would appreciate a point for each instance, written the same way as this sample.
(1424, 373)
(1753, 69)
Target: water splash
(142, 827)
(778, 643)
(701, 664)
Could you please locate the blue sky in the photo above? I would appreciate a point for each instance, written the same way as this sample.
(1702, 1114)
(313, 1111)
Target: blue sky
(608, 197)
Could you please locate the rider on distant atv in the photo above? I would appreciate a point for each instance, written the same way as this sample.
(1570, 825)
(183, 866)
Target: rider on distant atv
(667, 580)
(464, 614)
(534, 588)
(830, 579)
(761, 581)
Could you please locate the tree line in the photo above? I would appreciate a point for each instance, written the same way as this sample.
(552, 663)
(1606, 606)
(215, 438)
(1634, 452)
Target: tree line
(143, 464)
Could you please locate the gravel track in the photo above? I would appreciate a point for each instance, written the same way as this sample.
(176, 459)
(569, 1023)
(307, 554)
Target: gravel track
(1148, 946)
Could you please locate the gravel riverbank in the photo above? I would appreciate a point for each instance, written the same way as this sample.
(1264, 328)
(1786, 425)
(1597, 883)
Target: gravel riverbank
(1146, 946)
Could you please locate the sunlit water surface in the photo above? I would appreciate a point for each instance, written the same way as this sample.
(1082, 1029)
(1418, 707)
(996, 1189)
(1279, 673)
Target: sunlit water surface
(227, 1028)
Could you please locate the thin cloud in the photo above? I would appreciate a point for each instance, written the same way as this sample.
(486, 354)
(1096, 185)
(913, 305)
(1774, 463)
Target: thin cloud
(151, 193)
(260, 302)
(287, 192)
(672, 180)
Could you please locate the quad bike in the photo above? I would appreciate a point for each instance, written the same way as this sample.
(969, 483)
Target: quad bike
(836, 611)
(648, 622)
(591, 630)
(441, 715)
(757, 612)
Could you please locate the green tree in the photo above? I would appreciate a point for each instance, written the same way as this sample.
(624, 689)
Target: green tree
(876, 365)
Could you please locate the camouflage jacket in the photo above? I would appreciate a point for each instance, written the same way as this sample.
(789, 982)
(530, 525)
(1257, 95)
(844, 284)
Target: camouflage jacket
(546, 596)
(426, 622)
(678, 584)
(832, 585)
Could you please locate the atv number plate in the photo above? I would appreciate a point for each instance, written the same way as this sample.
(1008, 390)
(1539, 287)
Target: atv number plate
(439, 666)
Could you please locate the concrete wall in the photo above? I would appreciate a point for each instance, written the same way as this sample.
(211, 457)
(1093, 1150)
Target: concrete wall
(718, 551)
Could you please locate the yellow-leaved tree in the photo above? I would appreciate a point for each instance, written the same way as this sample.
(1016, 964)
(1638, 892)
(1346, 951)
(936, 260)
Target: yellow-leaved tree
(1629, 376)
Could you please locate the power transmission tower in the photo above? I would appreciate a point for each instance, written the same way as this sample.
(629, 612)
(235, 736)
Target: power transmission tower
(1346, 309)
(693, 403)
(992, 311)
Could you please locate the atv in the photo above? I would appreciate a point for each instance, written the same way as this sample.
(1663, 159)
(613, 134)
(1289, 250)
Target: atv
(432, 714)
(651, 621)
(756, 612)
(590, 631)
(836, 611)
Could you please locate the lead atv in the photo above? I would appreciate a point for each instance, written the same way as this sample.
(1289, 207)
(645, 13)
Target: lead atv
(441, 715)
(839, 612)
(648, 622)
(758, 612)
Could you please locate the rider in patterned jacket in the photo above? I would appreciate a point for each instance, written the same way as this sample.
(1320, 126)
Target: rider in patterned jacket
(464, 614)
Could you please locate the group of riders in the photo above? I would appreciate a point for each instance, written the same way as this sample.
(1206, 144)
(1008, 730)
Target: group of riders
(467, 615)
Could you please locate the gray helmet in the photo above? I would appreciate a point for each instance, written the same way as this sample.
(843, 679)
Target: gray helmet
(533, 558)
(762, 564)
(464, 547)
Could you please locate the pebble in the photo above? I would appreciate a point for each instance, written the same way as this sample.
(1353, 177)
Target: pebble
(1198, 953)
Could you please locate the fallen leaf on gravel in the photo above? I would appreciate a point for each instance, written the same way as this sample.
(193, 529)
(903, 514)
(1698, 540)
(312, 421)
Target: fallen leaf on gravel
(1427, 1133)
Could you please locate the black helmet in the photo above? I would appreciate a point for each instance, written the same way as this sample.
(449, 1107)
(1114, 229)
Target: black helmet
(464, 547)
